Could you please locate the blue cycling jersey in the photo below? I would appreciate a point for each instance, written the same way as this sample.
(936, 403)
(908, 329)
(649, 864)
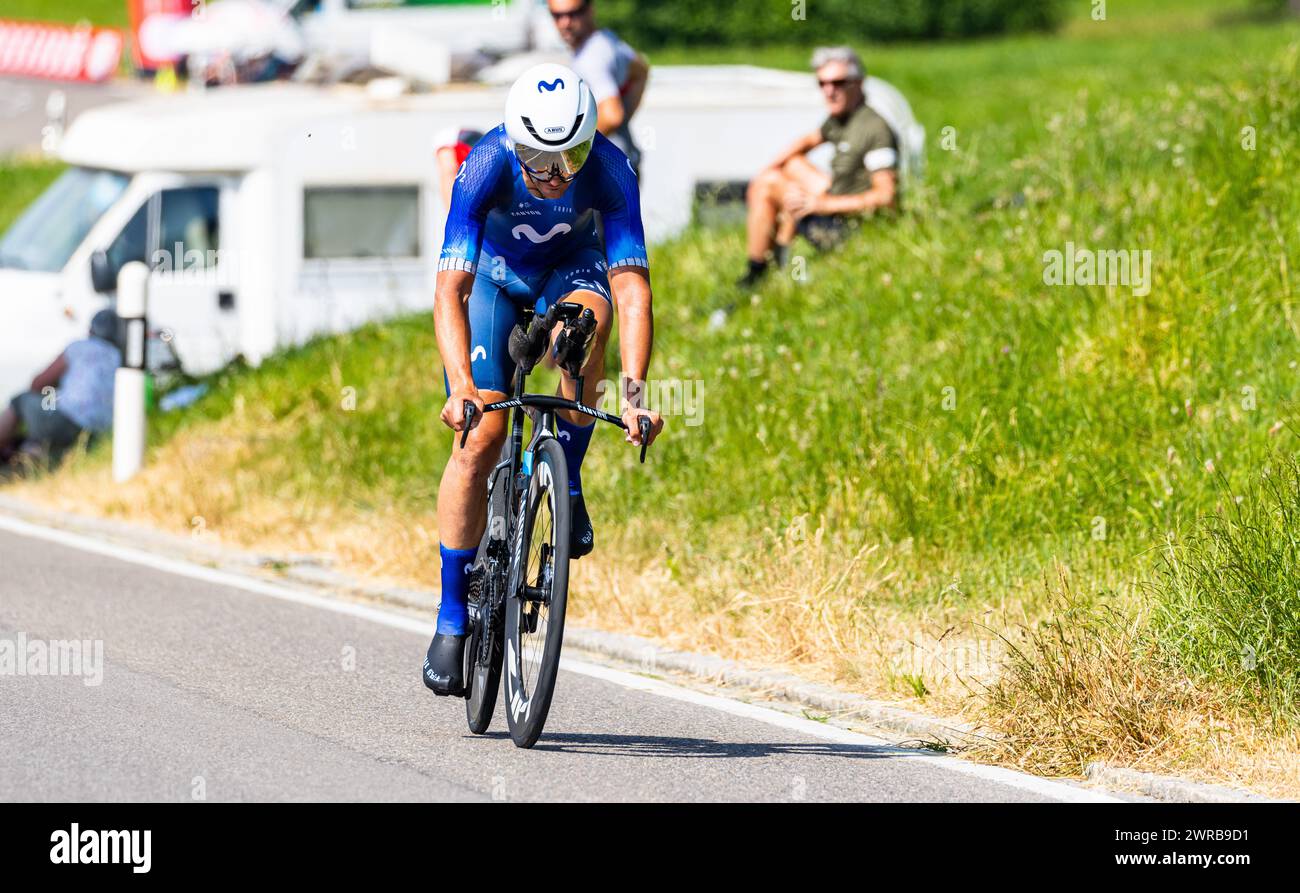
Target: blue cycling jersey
(495, 219)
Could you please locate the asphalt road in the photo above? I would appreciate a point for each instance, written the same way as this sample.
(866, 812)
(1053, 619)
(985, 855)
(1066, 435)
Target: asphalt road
(208, 688)
(22, 106)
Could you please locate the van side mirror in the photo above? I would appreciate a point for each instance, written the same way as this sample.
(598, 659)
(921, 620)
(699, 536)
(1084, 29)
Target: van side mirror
(101, 273)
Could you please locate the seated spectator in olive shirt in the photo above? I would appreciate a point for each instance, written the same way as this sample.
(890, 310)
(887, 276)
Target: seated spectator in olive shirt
(794, 196)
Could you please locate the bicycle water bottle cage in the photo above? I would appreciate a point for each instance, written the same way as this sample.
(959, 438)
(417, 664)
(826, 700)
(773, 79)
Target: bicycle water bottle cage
(574, 344)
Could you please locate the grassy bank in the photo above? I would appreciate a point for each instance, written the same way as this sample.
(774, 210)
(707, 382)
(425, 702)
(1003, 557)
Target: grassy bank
(20, 183)
(104, 13)
(921, 471)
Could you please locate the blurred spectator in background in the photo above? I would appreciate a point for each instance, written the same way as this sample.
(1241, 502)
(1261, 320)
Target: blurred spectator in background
(74, 394)
(615, 73)
(451, 148)
(795, 196)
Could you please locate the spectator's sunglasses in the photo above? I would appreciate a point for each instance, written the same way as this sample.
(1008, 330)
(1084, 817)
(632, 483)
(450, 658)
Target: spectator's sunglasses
(837, 83)
(572, 13)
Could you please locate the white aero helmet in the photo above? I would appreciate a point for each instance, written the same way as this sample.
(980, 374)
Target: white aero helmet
(551, 118)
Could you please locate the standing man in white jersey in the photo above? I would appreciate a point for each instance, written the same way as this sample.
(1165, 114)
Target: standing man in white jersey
(615, 73)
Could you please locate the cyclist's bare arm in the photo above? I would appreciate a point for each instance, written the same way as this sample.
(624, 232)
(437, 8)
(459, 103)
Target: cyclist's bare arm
(451, 324)
(633, 301)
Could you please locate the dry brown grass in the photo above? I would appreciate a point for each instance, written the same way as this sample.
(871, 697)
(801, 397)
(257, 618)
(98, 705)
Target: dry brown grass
(210, 484)
(800, 599)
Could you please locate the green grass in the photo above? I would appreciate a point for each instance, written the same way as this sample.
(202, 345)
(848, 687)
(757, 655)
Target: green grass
(20, 183)
(923, 389)
(104, 13)
(1228, 597)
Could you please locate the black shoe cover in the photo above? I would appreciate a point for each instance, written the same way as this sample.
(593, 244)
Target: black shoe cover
(444, 671)
(582, 539)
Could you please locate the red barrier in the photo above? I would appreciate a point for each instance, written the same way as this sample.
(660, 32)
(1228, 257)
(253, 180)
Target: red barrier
(59, 52)
(141, 11)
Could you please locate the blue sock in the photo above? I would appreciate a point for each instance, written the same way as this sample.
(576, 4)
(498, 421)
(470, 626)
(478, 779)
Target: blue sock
(455, 589)
(574, 441)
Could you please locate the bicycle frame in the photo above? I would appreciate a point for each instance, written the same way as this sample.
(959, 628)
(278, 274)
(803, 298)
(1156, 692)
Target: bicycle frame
(545, 425)
(510, 488)
(519, 459)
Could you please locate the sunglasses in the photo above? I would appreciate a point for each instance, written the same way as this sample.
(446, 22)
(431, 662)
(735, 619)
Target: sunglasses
(547, 175)
(837, 84)
(571, 14)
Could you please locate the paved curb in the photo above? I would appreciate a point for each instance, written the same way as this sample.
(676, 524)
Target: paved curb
(1168, 787)
(644, 654)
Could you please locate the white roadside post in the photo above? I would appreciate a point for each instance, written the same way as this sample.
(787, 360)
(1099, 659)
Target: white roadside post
(129, 385)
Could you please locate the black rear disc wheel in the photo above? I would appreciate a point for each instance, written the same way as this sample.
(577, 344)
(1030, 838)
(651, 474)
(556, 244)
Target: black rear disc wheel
(534, 621)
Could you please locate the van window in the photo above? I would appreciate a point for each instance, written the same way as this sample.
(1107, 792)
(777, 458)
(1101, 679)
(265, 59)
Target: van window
(360, 221)
(190, 232)
(132, 243)
(47, 233)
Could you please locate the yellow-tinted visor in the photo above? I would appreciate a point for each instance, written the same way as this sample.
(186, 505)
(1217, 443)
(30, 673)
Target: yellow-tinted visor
(541, 164)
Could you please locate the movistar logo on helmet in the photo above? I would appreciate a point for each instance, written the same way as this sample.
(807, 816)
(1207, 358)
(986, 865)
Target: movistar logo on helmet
(550, 87)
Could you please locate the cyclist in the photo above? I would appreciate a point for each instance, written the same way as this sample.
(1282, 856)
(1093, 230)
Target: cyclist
(522, 233)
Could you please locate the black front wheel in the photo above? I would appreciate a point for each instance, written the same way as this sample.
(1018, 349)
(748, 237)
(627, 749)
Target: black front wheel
(535, 606)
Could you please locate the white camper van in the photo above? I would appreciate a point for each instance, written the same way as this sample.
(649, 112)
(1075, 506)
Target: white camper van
(273, 214)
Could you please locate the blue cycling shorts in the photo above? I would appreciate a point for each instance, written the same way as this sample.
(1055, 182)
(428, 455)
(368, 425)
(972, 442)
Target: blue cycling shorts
(497, 302)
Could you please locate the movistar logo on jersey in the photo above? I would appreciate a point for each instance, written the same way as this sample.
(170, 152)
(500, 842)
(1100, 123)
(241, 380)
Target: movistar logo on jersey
(537, 238)
(550, 88)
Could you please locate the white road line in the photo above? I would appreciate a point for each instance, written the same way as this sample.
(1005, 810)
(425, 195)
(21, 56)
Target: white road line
(1033, 784)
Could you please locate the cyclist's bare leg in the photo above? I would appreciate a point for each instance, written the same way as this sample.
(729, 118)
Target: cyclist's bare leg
(462, 509)
(594, 372)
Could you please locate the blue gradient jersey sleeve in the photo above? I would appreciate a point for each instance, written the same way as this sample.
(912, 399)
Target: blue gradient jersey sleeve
(476, 190)
(618, 199)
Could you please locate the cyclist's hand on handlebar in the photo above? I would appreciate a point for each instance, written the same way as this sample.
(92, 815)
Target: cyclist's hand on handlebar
(453, 411)
(630, 416)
